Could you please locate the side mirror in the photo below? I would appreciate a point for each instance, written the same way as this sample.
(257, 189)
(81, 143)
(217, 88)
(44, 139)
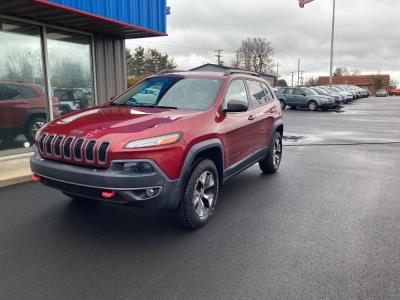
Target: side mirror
(113, 97)
(236, 106)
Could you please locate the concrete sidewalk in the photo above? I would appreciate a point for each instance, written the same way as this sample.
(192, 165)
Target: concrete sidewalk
(15, 171)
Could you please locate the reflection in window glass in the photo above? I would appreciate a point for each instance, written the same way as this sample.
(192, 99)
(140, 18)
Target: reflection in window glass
(22, 94)
(257, 95)
(236, 91)
(70, 70)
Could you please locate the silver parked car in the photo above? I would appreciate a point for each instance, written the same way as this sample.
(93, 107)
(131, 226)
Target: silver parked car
(381, 93)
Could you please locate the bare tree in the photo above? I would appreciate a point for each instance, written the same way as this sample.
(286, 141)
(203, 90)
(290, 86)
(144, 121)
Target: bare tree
(312, 81)
(255, 54)
(341, 71)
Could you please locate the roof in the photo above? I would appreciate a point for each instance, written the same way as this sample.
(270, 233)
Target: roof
(354, 79)
(125, 19)
(211, 65)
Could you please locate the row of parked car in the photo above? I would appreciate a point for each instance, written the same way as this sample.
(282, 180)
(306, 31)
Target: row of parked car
(319, 97)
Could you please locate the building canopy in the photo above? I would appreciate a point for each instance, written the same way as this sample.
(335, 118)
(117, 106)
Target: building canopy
(122, 18)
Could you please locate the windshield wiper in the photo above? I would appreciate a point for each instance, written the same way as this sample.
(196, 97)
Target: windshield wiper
(155, 106)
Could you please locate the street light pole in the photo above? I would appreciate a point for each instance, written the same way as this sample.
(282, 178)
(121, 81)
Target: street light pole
(332, 40)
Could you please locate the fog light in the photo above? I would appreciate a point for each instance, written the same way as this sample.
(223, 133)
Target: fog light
(138, 167)
(144, 194)
(150, 192)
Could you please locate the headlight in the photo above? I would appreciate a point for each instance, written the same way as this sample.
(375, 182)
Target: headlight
(156, 141)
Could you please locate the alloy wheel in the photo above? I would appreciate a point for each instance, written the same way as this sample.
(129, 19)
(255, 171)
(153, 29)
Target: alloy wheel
(204, 194)
(36, 126)
(277, 152)
(312, 106)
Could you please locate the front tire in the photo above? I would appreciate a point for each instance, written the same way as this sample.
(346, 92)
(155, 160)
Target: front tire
(312, 105)
(283, 104)
(201, 195)
(270, 164)
(32, 127)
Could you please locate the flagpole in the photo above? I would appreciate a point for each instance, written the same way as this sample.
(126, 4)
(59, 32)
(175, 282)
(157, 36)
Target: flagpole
(332, 41)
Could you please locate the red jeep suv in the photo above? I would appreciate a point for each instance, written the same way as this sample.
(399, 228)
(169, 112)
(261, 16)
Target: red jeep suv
(167, 143)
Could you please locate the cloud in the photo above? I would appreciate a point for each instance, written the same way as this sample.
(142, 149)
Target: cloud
(366, 33)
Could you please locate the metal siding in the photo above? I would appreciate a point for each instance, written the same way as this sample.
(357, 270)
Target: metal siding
(150, 14)
(110, 66)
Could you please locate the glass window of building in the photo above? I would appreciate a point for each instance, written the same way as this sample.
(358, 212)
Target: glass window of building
(23, 104)
(70, 70)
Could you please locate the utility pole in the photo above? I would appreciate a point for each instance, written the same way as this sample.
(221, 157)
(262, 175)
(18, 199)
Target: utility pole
(277, 69)
(301, 77)
(237, 63)
(292, 77)
(219, 56)
(332, 40)
(298, 72)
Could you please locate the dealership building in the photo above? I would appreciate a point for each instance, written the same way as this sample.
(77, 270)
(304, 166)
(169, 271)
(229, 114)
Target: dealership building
(58, 56)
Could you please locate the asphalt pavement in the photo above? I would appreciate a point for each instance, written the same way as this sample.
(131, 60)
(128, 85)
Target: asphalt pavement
(326, 226)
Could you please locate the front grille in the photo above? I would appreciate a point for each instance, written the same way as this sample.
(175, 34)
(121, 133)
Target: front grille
(67, 147)
(80, 149)
(57, 145)
(41, 142)
(48, 142)
(103, 152)
(89, 152)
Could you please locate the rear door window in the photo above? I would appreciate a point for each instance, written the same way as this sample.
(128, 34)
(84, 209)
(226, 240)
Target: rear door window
(257, 95)
(268, 93)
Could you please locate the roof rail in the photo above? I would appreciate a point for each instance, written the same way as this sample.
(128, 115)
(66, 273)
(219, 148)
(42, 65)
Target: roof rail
(167, 71)
(233, 71)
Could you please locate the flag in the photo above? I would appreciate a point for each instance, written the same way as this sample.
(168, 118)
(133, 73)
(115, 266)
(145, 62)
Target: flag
(303, 2)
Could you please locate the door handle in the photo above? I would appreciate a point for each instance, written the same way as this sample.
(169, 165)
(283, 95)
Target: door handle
(251, 118)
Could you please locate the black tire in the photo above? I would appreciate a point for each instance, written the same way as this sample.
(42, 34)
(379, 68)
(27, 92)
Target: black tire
(283, 103)
(32, 126)
(195, 214)
(312, 105)
(270, 164)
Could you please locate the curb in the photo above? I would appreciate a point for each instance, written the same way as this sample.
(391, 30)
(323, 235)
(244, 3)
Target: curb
(15, 180)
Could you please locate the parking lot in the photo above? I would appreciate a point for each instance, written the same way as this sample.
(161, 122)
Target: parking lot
(326, 226)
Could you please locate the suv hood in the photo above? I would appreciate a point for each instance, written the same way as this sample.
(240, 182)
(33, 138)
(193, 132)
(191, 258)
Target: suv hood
(100, 121)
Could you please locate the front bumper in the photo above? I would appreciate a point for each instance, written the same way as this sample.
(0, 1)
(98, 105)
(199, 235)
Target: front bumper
(92, 182)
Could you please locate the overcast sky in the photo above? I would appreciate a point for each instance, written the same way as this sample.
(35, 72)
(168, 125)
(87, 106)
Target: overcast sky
(366, 36)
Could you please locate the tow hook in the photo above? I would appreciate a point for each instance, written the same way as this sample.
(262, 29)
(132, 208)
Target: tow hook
(36, 178)
(108, 194)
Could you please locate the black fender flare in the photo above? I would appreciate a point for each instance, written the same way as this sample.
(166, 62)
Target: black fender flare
(188, 165)
(32, 113)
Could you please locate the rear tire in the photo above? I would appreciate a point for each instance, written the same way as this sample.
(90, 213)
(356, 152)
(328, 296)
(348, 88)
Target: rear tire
(201, 195)
(270, 164)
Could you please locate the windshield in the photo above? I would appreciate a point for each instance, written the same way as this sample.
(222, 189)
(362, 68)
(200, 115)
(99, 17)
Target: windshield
(173, 92)
(310, 92)
(320, 91)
